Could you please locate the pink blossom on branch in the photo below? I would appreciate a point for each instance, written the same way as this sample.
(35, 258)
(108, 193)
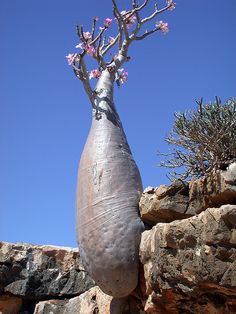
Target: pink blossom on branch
(80, 45)
(97, 45)
(171, 4)
(95, 73)
(87, 36)
(123, 75)
(71, 57)
(107, 22)
(88, 48)
(163, 27)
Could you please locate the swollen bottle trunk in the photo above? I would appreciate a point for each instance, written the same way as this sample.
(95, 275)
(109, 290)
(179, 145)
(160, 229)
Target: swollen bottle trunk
(109, 187)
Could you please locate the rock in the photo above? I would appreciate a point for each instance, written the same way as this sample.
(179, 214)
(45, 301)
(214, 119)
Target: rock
(191, 263)
(10, 304)
(164, 204)
(41, 271)
(182, 200)
(230, 174)
(177, 303)
(218, 188)
(149, 190)
(91, 302)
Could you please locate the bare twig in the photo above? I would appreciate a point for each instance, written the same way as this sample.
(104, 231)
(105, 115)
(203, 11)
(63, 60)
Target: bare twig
(154, 14)
(147, 33)
(78, 30)
(110, 45)
(121, 19)
(93, 28)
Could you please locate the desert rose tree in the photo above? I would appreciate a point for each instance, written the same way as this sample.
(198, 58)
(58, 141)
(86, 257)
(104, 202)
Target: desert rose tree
(109, 184)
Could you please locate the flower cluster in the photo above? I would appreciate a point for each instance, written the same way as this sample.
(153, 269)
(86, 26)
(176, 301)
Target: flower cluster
(130, 20)
(162, 26)
(95, 73)
(72, 57)
(123, 75)
(87, 36)
(86, 45)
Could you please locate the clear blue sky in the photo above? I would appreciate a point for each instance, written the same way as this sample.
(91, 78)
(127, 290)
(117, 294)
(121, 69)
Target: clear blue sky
(45, 115)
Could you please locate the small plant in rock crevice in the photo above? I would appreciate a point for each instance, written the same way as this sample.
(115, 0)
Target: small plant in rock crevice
(203, 140)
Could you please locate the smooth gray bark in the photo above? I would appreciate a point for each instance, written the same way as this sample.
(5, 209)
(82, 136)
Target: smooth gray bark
(109, 188)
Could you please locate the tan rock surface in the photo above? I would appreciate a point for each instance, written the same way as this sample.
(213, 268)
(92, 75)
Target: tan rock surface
(165, 203)
(188, 261)
(181, 200)
(214, 190)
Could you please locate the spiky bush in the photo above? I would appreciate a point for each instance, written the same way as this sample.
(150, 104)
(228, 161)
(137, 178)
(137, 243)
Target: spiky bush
(203, 140)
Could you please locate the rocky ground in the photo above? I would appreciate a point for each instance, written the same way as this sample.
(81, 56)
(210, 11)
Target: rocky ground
(187, 259)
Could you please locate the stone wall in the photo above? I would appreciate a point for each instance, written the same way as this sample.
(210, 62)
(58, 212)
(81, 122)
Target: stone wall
(187, 255)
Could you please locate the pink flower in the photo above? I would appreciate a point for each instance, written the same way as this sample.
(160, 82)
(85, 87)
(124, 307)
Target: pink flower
(71, 57)
(95, 73)
(87, 36)
(107, 22)
(171, 4)
(80, 45)
(129, 21)
(123, 76)
(90, 50)
(87, 47)
(162, 27)
(96, 18)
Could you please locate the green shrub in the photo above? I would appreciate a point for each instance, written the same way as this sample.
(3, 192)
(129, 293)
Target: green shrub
(204, 140)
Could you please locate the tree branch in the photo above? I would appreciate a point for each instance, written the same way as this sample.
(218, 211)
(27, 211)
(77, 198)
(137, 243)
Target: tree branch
(120, 20)
(147, 33)
(82, 74)
(93, 28)
(96, 46)
(109, 46)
